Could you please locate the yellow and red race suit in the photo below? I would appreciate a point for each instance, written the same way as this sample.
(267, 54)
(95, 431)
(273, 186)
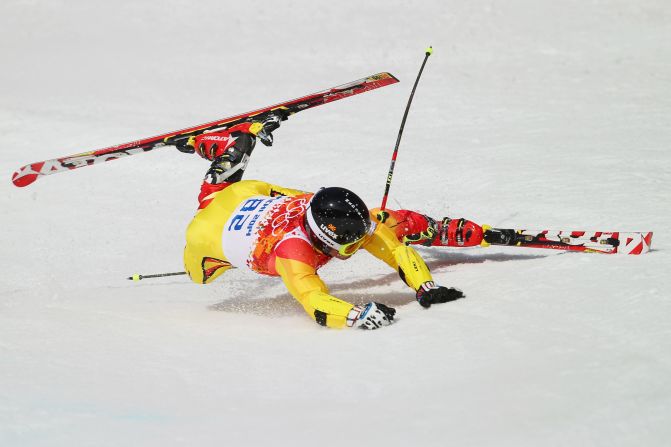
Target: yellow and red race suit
(259, 226)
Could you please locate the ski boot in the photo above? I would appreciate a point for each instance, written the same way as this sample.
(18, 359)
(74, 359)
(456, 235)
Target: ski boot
(458, 233)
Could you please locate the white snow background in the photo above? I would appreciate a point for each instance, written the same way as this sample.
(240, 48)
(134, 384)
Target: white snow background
(550, 114)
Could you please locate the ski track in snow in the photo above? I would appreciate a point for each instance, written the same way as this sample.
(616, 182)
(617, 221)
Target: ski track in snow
(529, 114)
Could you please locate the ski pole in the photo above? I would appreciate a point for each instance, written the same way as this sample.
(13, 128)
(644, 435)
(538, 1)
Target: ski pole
(137, 277)
(428, 53)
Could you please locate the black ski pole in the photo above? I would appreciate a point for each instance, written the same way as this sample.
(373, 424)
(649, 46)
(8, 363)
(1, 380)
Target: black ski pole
(428, 53)
(137, 277)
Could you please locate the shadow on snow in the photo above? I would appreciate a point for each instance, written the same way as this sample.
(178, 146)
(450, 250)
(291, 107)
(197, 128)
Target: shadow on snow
(285, 305)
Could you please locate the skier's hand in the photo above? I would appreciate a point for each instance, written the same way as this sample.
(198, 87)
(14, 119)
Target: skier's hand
(271, 123)
(371, 316)
(429, 293)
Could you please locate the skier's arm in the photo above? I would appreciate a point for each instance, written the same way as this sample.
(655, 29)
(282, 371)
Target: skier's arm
(410, 266)
(306, 286)
(302, 281)
(405, 260)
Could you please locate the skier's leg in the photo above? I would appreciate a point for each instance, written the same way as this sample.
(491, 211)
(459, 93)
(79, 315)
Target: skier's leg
(204, 258)
(414, 228)
(458, 233)
(229, 151)
(410, 227)
(227, 168)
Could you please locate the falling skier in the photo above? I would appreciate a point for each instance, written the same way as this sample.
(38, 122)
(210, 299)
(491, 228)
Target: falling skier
(290, 233)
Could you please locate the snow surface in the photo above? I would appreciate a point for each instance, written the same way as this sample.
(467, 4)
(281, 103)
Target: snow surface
(530, 113)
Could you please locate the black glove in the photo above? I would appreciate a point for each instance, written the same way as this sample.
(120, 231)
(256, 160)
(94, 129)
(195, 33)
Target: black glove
(271, 123)
(429, 293)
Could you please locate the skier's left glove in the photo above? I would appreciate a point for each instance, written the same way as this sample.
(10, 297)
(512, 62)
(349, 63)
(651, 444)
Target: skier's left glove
(371, 316)
(429, 293)
(268, 125)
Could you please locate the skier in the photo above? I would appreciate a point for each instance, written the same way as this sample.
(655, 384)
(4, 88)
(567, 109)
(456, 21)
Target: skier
(284, 232)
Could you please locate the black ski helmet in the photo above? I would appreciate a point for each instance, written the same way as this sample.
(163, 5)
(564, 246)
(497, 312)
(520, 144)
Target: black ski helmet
(336, 219)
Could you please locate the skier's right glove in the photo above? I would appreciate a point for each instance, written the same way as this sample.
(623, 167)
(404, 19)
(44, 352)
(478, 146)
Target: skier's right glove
(429, 293)
(371, 316)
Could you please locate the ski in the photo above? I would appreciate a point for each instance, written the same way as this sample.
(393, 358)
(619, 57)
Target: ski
(607, 242)
(31, 172)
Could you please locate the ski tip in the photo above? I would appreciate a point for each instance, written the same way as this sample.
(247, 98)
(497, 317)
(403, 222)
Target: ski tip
(429, 51)
(135, 277)
(21, 180)
(386, 74)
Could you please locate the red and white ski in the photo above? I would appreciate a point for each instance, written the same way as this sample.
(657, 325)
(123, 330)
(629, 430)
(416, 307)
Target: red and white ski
(607, 242)
(29, 173)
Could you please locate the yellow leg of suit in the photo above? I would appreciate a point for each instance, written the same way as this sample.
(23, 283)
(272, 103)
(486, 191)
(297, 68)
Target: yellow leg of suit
(204, 257)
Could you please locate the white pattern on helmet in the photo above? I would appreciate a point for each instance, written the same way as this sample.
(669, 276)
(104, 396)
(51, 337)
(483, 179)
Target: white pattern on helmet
(325, 238)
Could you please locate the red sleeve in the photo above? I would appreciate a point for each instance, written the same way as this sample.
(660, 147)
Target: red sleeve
(405, 222)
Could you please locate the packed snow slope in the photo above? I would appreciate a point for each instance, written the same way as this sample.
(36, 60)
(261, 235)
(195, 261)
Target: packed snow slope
(529, 114)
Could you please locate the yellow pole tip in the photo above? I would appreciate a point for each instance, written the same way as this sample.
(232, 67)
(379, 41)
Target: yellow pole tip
(136, 277)
(429, 51)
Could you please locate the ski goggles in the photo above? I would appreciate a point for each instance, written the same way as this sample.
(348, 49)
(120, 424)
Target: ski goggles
(352, 247)
(347, 249)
